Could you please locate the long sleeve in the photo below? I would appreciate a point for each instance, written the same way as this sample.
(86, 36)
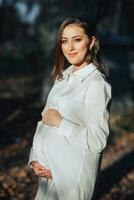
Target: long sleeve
(94, 132)
(32, 157)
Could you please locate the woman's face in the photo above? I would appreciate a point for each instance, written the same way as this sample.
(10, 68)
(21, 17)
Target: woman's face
(75, 45)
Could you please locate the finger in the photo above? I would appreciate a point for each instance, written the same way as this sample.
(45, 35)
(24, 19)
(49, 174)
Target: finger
(41, 172)
(48, 170)
(50, 177)
(38, 171)
(39, 166)
(44, 170)
(45, 174)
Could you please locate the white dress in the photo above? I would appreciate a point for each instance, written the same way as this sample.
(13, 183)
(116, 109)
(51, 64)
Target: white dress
(72, 151)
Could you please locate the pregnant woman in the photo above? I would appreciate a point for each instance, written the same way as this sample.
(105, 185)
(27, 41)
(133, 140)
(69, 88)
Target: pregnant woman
(73, 132)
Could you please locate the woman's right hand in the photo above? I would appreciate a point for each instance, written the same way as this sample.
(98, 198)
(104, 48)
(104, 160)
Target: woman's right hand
(40, 170)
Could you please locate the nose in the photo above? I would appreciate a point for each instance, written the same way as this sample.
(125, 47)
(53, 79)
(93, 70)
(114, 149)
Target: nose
(70, 46)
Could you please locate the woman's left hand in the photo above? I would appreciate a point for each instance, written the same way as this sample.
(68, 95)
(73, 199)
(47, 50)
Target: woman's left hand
(52, 117)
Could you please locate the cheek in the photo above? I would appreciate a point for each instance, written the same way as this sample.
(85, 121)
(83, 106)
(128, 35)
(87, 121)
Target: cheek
(83, 48)
(63, 48)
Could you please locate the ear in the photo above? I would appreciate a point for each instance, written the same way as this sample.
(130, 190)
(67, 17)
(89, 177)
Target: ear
(93, 39)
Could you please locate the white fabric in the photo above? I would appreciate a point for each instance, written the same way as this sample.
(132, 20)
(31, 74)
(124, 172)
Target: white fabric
(72, 151)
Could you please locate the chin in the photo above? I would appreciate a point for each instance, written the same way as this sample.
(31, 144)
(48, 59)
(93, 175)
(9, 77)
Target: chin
(74, 62)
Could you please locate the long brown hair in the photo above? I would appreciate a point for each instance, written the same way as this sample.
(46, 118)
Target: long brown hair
(93, 54)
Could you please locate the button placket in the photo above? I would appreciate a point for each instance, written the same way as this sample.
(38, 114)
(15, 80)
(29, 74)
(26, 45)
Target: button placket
(71, 78)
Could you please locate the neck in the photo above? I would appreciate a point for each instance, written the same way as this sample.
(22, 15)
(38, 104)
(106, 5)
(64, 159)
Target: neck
(77, 67)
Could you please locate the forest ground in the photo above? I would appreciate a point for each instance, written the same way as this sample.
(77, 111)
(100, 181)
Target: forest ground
(20, 110)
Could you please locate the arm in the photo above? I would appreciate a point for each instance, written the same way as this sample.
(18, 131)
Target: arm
(93, 134)
(32, 157)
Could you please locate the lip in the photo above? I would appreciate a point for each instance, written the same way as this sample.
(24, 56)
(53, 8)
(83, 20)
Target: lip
(72, 54)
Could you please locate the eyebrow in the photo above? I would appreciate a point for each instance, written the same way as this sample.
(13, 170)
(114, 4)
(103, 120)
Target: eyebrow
(72, 37)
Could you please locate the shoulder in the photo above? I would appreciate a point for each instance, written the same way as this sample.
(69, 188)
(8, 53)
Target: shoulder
(98, 79)
(98, 84)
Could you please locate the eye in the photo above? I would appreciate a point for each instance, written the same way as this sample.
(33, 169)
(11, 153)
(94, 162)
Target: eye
(77, 39)
(63, 41)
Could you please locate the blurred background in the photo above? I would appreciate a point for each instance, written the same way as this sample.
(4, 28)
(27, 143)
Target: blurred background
(28, 30)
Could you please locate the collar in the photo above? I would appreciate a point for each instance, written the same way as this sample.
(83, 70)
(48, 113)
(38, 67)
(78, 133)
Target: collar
(81, 74)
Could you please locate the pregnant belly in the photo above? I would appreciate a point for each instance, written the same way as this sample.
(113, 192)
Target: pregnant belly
(45, 138)
(55, 150)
